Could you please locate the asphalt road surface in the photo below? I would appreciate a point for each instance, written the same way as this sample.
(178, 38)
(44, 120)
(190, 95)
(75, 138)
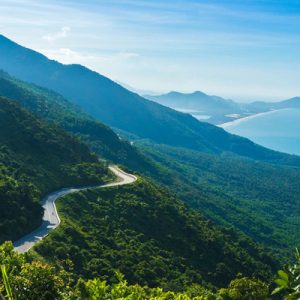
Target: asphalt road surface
(51, 218)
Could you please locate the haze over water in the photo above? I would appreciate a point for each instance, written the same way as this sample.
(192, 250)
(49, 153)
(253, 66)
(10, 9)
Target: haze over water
(279, 130)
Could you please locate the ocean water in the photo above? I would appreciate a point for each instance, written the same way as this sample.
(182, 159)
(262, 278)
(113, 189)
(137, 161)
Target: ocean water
(195, 113)
(278, 130)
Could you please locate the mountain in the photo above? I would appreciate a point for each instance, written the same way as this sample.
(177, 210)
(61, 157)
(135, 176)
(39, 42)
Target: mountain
(151, 237)
(53, 108)
(36, 158)
(290, 103)
(143, 230)
(214, 148)
(119, 108)
(217, 110)
(199, 104)
(196, 100)
(261, 106)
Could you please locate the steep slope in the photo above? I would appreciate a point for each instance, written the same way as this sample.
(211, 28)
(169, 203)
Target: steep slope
(259, 199)
(40, 157)
(151, 237)
(36, 158)
(117, 107)
(54, 108)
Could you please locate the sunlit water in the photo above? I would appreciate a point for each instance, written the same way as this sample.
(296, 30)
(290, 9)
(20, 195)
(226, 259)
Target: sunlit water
(279, 130)
(195, 113)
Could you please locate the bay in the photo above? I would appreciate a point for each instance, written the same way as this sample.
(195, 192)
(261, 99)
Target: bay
(278, 130)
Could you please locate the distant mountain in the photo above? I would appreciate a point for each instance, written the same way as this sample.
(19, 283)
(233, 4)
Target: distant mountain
(290, 103)
(36, 158)
(198, 101)
(261, 106)
(211, 109)
(217, 110)
(117, 107)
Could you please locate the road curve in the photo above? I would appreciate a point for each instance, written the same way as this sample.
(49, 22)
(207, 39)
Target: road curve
(51, 218)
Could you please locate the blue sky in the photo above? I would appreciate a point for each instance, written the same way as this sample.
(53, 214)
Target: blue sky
(245, 50)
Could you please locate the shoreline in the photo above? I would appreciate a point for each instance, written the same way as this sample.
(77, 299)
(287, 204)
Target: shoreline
(241, 120)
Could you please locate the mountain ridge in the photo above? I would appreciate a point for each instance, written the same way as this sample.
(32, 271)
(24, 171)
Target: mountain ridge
(53, 108)
(117, 107)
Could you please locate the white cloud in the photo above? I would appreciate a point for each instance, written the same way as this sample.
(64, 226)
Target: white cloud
(68, 56)
(127, 55)
(57, 35)
(235, 50)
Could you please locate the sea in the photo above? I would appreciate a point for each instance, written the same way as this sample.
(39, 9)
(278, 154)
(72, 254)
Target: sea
(198, 114)
(278, 130)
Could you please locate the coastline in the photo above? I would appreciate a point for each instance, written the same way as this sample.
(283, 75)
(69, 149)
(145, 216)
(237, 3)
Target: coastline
(238, 121)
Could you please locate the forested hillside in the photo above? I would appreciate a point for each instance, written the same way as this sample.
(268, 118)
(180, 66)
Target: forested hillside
(22, 277)
(36, 158)
(54, 108)
(142, 230)
(230, 190)
(259, 199)
(151, 237)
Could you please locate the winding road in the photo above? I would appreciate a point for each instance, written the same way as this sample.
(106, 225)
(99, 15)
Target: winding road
(51, 218)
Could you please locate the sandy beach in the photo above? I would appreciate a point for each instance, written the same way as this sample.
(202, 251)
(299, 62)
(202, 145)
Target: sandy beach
(238, 121)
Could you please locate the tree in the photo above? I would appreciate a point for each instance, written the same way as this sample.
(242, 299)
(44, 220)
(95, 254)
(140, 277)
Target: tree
(28, 280)
(288, 280)
(246, 289)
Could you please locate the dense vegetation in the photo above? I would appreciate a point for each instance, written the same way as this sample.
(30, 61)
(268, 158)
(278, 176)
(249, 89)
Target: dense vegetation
(212, 183)
(169, 245)
(53, 108)
(117, 107)
(259, 199)
(24, 279)
(36, 158)
(141, 230)
(149, 236)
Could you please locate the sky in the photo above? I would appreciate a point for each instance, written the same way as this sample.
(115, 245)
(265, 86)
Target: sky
(244, 50)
